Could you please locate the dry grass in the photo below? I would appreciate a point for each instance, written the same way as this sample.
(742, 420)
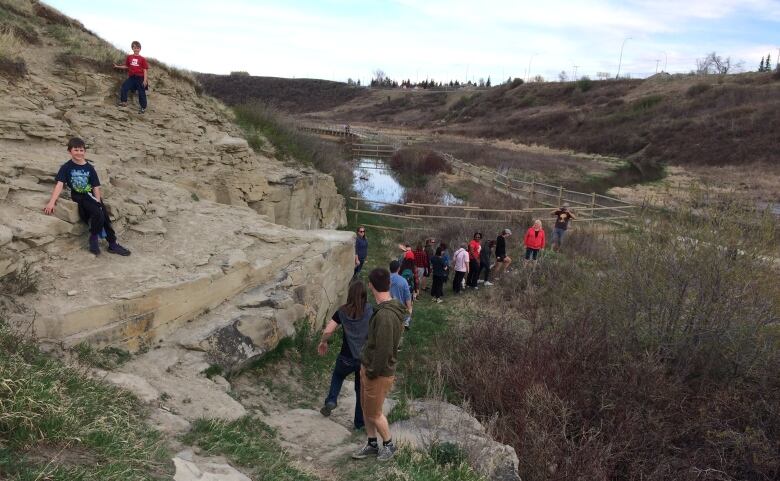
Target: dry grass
(12, 65)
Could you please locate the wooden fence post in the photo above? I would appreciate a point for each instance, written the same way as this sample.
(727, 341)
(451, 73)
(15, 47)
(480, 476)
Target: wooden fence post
(592, 204)
(560, 195)
(357, 208)
(532, 195)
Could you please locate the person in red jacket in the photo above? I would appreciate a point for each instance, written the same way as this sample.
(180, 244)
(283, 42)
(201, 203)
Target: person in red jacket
(534, 241)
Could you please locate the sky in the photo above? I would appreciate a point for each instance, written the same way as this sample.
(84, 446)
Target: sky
(440, 39)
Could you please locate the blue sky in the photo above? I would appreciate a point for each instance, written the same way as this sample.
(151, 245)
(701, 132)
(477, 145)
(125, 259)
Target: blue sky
(440, 39)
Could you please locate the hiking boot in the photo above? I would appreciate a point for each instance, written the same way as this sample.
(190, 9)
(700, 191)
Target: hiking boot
(386, 453)
(94, 246)
(365, 452)
(118, 250)
(141, 110)
(327, 409)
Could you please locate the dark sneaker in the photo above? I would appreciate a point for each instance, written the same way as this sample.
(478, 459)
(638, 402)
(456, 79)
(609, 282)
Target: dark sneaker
(141, 110)
(94, 246)
(386, 453)
(365, 452)
(327, 409)
(119, 250)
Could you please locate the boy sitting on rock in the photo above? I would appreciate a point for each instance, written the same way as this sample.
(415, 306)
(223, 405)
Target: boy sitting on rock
(84, 185)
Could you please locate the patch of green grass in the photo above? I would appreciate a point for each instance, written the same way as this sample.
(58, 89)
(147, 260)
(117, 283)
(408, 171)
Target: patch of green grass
(213, 370)
(107, 358)
(48, 407)
(249, 443)
(400, 411)
(409, 465)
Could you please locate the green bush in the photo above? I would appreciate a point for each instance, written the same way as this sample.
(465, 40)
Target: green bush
(697, 89)
(584, 84)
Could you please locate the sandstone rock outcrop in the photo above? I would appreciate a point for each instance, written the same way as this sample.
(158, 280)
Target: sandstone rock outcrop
(212, 224)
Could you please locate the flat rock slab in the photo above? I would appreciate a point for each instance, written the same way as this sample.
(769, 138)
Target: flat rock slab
(307, 427)
(205, 471)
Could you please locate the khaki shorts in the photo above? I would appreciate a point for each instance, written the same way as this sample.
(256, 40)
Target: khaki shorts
(373, 393)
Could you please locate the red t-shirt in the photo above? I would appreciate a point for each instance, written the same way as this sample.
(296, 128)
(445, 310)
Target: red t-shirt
(136, 65)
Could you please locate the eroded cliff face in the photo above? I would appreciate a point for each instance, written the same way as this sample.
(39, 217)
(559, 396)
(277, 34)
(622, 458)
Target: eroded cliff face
(224, 239)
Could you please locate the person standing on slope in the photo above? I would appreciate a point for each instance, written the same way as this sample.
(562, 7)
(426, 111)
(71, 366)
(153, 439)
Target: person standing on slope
(534, 241)
(378, 362)
(502, 260)
(562, 218)
(475, 249)
(461, 259)
(353, 318)
(137, 77)
(361, 249)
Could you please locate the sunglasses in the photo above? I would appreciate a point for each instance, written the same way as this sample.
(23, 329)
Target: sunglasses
(361, 232)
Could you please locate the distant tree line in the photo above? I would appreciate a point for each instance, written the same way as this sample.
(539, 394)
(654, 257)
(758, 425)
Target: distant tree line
(382, 80)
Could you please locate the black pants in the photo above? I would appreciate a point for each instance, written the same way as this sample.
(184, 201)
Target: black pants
(473, 277)
(531, 254)
(94, 213)
(486, 269)
(343, 368)
(457, 281)
(437, 289)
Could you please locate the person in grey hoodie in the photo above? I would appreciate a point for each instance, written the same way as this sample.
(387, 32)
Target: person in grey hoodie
(353, 318)
(378, 361)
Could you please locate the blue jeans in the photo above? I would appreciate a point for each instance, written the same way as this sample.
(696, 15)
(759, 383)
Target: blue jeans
(557, 237)
(343, 368)
(136, 83)
(359, 266)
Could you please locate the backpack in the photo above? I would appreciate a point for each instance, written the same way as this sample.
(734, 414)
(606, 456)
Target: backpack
(408, 275)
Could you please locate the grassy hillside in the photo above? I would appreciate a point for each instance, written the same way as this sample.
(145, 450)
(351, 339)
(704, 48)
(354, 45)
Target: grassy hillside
(702, 120)
(290, 95)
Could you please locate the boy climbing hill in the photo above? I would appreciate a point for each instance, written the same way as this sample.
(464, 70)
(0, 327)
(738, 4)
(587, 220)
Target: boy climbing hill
(84, 185)
(137, 80)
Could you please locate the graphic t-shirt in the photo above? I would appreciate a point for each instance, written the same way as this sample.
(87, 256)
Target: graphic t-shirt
(474, 250)
(136, 65)
(562, 218)
(80, 178)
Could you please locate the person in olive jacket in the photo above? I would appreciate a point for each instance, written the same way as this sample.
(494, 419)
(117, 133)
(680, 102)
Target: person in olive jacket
(378, 360)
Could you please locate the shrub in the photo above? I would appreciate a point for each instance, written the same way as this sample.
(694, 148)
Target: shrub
(516, 82)
(646, 103)
(697, 89)
(641, 355)
(585, 84)
(418, 164)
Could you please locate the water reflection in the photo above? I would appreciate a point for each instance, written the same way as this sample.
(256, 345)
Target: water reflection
(374, 180)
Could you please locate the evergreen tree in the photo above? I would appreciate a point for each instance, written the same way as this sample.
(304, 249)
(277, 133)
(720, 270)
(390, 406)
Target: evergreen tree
(358, 83)
(761, 65)
(768, 64)
(487, 84)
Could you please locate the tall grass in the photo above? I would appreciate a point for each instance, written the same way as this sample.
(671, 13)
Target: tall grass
(261, 122)
(640, 355)
(57, 423)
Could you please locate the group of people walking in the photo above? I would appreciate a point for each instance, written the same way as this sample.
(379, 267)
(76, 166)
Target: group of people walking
(371, 334)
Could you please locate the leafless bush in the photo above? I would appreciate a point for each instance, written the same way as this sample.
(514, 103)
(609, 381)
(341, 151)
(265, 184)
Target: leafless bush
(652, 355)
(418, 162)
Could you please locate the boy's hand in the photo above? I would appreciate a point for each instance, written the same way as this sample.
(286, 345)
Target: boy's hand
(49, 209)
(322, 348)
(146, 83)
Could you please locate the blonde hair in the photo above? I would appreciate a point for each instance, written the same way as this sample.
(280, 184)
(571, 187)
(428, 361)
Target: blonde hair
(538, 221)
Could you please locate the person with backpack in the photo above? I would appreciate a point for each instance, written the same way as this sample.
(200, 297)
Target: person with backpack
(353, 318)
(401, 291)
(409, 273)
(439, 274)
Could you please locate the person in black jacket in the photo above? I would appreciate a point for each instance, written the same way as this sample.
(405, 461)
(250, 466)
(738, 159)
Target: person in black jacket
(502, 260)
(439, 271)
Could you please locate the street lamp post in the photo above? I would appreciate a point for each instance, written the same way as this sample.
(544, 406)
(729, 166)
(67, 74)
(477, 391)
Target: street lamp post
(528, 74)
(620, 62)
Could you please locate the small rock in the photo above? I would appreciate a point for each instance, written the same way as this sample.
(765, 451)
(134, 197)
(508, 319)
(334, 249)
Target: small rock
(72, 293)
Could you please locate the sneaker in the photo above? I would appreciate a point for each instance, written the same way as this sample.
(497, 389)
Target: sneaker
(141, 110)
(488, 283)
(94, 246)
(118, 250)
(366, 451)
(327, 409)
(439, 300)
(480, 281)
(121, 104)
(386, 453)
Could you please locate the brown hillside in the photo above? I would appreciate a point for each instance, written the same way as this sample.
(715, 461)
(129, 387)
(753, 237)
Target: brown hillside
(710, 120)
(290, 95)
